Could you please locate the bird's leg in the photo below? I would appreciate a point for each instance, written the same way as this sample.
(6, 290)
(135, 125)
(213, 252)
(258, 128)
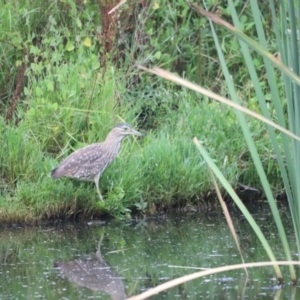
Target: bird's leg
(96, 179)
(98, 253)
(99, 193)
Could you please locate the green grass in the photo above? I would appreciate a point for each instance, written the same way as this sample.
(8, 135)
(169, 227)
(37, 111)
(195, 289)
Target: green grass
(71, 99)
(162, 169)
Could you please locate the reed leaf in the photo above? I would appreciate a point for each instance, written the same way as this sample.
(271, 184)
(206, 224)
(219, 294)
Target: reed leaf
(288, 43)
(175, 282)
(289, 65)
(226, 212)
(271, 75)
(183, 82)
(239, 203)
(250, 42)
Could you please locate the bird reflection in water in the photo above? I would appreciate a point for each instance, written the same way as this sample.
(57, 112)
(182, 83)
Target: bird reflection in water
(91, 271)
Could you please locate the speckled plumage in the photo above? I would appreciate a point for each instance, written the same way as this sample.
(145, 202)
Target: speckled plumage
(88, 163)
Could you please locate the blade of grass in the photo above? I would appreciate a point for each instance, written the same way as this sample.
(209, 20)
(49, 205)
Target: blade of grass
(254, 153)
(228, 218)
(172, 283)
(290, 56)
(256, 159)
(280, 116)
(239, 203)
(183, 82)
(263, 104)
(262, 101)
(239, 34)
(172, 77)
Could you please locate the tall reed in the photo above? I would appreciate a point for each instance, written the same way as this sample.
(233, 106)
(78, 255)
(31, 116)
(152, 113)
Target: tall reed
(287, 149)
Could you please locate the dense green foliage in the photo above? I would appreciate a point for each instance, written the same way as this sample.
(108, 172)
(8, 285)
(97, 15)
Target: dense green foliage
(58, 93)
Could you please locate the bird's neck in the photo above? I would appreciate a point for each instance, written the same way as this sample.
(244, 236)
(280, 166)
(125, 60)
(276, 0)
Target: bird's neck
(114, 143)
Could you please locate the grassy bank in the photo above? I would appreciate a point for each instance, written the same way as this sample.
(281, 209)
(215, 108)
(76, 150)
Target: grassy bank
(70, 98)
(159, 171)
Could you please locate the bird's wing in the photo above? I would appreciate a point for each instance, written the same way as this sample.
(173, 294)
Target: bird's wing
(82, 162)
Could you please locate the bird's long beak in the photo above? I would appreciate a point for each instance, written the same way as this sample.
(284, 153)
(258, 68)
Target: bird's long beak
(135, 132)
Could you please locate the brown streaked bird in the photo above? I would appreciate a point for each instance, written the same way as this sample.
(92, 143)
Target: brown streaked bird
(93, 272)
(88, 163)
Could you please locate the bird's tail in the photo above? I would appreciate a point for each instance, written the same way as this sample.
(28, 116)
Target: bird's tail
(54, 173)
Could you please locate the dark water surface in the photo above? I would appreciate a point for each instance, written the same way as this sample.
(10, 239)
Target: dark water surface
(119, 259)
